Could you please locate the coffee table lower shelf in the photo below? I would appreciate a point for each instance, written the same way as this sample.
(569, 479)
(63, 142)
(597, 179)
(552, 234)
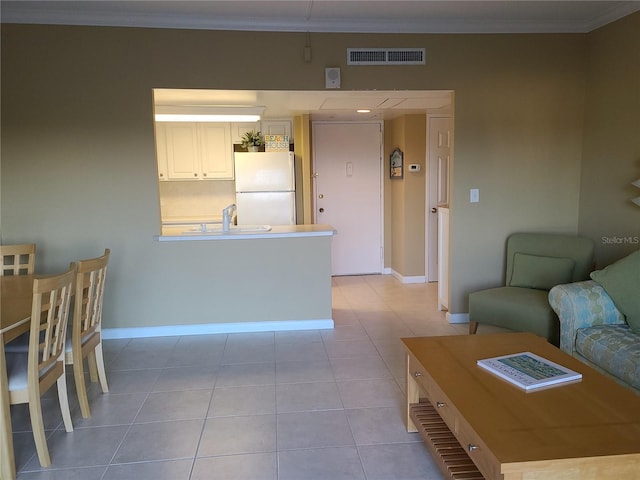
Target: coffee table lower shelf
(451, 457)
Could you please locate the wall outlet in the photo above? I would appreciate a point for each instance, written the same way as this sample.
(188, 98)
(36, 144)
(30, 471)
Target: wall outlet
(474, 195)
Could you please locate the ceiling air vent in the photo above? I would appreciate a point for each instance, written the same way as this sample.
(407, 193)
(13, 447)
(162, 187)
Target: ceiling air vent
(385, 56)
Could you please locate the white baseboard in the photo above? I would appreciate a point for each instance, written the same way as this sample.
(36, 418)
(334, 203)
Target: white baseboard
(457, 317)
(213, 328)
(407, 280)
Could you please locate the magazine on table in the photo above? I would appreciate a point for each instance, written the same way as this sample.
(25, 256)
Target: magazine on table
(528, 370)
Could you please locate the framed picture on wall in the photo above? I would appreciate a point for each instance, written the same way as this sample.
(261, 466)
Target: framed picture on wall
(396, 162)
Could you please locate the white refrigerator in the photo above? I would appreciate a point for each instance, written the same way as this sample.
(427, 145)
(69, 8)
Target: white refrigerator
(265, 188)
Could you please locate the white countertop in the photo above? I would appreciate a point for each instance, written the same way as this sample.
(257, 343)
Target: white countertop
(177, 233)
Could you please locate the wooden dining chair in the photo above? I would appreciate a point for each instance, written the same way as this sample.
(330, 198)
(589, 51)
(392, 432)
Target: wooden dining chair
(31, 374)
(85, 333)
(17, 259)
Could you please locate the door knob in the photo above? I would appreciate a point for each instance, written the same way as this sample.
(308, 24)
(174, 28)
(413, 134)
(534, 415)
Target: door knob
(321, 210)
(434, 210)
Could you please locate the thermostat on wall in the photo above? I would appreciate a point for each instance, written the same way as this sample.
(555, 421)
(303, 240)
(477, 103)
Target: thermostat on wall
(414, 167)
(332, 77)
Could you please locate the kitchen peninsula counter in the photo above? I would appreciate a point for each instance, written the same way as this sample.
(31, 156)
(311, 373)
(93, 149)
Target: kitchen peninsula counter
(237, 282)
(180, 233)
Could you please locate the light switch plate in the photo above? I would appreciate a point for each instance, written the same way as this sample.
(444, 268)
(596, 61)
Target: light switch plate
(349, 169)
(474, 195)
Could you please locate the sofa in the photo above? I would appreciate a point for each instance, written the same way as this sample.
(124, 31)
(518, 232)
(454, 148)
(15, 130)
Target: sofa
(600, 320)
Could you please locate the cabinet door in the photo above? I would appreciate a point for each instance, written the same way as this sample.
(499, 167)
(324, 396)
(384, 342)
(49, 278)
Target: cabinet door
(277, 127)
(182, 150)
(161, 152)
(239, 129)
(215, 151)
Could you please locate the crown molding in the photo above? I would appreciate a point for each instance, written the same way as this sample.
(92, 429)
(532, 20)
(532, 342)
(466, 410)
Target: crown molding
(104, 14)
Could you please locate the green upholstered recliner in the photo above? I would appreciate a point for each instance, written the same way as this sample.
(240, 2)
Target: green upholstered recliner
(536, 262)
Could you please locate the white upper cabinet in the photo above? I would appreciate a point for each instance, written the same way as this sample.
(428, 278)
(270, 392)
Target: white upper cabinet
(215, 151)
(161, 152)
(278, 127)
(266, 127)
(239, 129)
(195, 151)
(183, 158)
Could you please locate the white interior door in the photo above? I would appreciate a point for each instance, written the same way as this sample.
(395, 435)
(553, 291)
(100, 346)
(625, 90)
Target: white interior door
(440, 138)
(348, 189)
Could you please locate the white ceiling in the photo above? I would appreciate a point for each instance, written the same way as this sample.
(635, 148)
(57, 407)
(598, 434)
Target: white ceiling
(391, 16)
(322, 105)
(366, 16)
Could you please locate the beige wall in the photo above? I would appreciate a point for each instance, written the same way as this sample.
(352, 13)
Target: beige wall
(304, 197)
(396, 197)
(78, 162)
(407, 196)
(415, 144)
(611, 148)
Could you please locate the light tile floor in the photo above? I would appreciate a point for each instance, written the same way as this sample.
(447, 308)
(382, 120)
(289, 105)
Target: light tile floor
(300, 405)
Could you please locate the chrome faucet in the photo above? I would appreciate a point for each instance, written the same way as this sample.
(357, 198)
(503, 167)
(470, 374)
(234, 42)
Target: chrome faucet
(227, 216)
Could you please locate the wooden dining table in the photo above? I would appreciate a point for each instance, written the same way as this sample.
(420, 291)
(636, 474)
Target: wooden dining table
(16, 294)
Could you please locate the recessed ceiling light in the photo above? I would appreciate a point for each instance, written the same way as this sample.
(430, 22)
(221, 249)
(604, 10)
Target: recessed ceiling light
(363, 110)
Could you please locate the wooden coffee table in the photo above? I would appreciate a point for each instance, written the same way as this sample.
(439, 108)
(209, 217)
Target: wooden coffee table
(579, 431)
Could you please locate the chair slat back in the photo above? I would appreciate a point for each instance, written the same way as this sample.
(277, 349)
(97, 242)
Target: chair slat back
(90, 281)
(49, 316)
(17, 259)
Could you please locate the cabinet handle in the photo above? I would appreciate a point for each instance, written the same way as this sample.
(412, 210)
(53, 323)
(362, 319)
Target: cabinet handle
(439, 404)
(204, 174)
(417, 374)
(195, 174)
(471, 447)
